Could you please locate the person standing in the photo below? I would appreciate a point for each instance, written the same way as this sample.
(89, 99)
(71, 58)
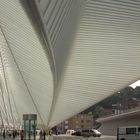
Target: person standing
(4, 134)
(44, 135)
(41, 135)
(50, 132)
(14, 134)
(22, 134)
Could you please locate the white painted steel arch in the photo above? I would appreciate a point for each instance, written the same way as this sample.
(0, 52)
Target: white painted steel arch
(62, 56)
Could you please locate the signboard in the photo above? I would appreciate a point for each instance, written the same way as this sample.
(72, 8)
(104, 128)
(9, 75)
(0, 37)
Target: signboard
(29, 117)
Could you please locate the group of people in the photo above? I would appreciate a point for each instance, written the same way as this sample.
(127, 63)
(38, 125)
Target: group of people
(13, 133)
(42, 135)
(21, 133)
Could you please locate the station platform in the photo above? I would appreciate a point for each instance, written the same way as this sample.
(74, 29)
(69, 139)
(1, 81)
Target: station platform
(65, 137)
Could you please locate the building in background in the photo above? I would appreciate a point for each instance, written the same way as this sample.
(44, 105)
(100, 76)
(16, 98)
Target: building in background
(125, 105)
(78, 122)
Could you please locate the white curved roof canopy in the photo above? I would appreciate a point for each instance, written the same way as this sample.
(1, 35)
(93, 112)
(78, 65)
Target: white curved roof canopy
(59, 57)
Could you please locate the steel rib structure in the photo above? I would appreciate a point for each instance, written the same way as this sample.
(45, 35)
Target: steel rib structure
(59, 57)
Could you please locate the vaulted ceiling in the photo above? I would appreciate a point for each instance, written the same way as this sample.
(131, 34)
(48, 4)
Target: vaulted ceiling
(59, 57)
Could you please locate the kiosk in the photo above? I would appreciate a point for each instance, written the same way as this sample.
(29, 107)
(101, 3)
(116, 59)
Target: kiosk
(29, 125)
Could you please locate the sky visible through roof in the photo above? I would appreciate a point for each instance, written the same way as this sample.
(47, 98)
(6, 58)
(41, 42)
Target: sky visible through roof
(137, 83)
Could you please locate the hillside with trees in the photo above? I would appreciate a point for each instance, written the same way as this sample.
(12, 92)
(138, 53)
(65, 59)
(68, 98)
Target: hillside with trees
(99, 109)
